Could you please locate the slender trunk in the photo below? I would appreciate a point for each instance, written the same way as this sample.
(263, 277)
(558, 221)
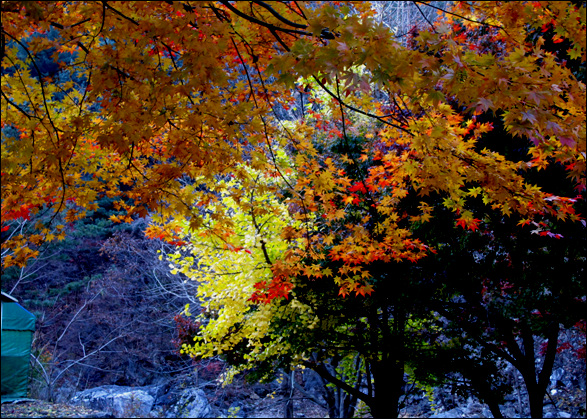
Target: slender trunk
(388, 373)
(526, 365)
(349, 402)
(288, 411)
(536, 384)
(330, 396)
(535, 400)
(486, 394)
(494, 408)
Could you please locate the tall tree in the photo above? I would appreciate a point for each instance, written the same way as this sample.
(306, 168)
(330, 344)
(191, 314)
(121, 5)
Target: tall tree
(167, 104)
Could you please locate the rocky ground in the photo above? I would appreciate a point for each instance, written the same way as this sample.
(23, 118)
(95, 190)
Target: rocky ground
(193, 395)
(250, 402)
(43, 409)
(566, 399)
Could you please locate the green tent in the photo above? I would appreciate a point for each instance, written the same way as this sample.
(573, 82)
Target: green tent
(18, 326)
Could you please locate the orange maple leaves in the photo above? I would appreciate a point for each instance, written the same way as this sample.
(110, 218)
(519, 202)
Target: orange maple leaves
(169, 98)
(266, 291)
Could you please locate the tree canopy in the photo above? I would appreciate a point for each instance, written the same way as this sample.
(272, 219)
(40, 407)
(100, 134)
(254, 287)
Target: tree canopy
(148, 102)
(293, 147)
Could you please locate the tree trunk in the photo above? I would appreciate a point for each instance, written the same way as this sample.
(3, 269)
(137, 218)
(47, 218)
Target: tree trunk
(288, 411)
(389, 381)
(536, 383)
(494, 408)
(486, 394)
(388, 373)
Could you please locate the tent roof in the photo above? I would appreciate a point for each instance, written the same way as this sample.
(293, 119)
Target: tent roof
(7, 298)
(15, 317)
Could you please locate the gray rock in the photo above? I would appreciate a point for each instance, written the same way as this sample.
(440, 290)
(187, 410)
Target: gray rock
(556, 376)
(64, 393)
(312, 381)
(236, 410)
(192, 404)
(508, 411)
(473, 408)
(457, 412)
(550, 412)
(486, 413)
(117, 400)
(99, 415)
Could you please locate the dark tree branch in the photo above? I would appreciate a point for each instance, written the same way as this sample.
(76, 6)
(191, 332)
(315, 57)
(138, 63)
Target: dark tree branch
(217, 13)
(260, 22)
(278, 16)
(60, 26)
(283, 44)
(552, 336)
(246, 72)
(461, 17)
(105, 3)
(379, 118)
(301, 10)
(18, 107)
(323, 372)
(424, 16)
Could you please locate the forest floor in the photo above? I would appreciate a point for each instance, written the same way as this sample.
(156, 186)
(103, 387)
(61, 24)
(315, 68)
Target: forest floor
(43, 409)
(259, 408)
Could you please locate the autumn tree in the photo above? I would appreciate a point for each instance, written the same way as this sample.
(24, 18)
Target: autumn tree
(524, 260)
(91, 141)
(147, 133)
(173, 101)
(505, 288)
(262, 325)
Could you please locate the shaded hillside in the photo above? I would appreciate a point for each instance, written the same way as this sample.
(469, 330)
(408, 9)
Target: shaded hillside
(105, 307)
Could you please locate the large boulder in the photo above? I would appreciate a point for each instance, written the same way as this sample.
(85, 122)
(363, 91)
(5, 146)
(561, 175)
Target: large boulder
(192, 403)
(167, 400)
(118, 400)
(457, 412)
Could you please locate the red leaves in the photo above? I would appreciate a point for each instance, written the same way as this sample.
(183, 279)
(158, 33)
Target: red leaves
(278, 287)
(237, 249)
(177, 243)
(468, 223)
(364, 290)
(358, 187)
(564, 346)
(551, 234)
(335, 133)
(581, 352)
(23, 212)
(186, 330)
(354, 198)
(542, 228)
